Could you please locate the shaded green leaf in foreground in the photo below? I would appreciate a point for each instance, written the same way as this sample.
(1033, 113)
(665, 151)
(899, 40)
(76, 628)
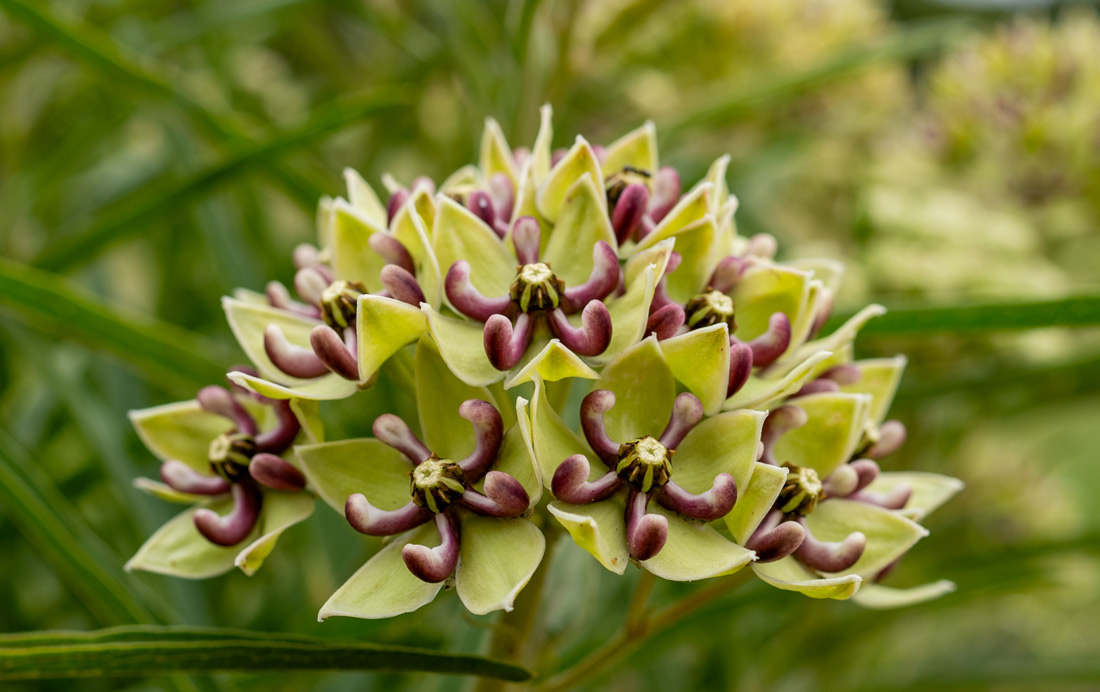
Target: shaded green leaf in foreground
(147, 651)
(164, 349)
(1077, 311)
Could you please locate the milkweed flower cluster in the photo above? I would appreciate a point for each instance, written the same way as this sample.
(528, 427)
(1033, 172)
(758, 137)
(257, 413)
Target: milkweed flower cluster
(716, 429)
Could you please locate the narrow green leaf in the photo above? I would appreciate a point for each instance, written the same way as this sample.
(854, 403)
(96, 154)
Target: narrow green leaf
(165, 349)
(1076, 311)
(151, 651)
(921, 40)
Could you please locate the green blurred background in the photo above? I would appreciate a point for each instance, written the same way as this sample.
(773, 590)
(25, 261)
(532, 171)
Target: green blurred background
(155, 155)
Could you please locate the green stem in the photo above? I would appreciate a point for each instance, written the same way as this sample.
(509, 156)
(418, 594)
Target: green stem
(636, 633)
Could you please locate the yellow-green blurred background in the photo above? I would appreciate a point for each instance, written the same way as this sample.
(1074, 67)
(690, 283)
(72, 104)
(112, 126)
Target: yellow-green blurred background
(154, 155)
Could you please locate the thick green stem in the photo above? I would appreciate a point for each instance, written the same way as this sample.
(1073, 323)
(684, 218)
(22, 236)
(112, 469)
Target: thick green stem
(637, 631)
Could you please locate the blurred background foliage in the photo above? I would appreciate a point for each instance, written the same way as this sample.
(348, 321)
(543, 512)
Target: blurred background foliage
(153, 156)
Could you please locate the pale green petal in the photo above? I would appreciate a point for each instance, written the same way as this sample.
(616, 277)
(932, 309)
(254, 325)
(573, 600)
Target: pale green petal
(831, 434)
(765, 289)
(439, 394)
(695, 243)
(725, 443)
(246, 296)
(691, 208)
(496, 155)
(420, 205)
(384, 586)
(496, 560)
(879, 597)
(552, 192)
(828, 271)
(352, 256)
(459, 235)
(525, 206)
(644, 391)
(583, 221)
(716, 176)
(726, 242)
(837, 342)
(879, 378)
(754, 503)
(540, 151)
(553, 441)
(465, 177)
(517, 455)
(930, 490)
(599, 528)
(694, 551)
(308, 413)
(700, 360)
(762, 391)
(789, 574)
(462, 345)
(629, 314)
(553, 363)
(384, 326)
(180, 431)
(363, 197)
(280, 512)
(657, 256)
(336, 470)
(889, 535)
(324, 223)
(412, 230)
(325, 388)
(636, 149)
(179, 550)
(167, 492)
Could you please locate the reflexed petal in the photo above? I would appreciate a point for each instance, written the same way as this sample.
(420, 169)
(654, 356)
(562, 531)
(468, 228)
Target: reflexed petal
(552, 191)
(280, 512)
(459, 235)
(419, 210)
(838, 342)
(308, 413)
(540, 152)
(496, 560)
(517, 456)
(879, 597)
(694, 551)
(754, 502)
(352, 256)
(889, 535)
(700, 360)
(551, 439)
(695, 243)
(716, 176)
(180, 431)
(384, 586)
(930, 490)
(325, 388)
(658, 255)
(496, 155)
(765, 289)
(384, 326)
(462, 346)
(583, 221)
(337, 470)
(637, 149)
(725, 443)
(364, 199)
(789, 574)
(599, 528)
(179, 550)
(879, 378)
(167, 492)
(761, 392)
(553, 363)
(439, 394)
(629, 314)
(830, 436)
(691, 208)
(644, 390)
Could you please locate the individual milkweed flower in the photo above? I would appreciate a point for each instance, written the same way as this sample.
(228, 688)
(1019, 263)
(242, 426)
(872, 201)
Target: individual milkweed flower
(310, 348)
(225, 451)
(835, 520)
(650, 473)
(454, 502)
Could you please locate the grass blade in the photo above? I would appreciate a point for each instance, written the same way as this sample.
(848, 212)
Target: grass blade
(68, 252)
(1076, 311)
(150, 651)
(164, 349)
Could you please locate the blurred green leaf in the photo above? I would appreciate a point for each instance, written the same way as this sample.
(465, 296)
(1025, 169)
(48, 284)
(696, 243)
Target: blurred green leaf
(68, 252)
(148, 651)
(970, 674)
(164, 349)
(1078, 311)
